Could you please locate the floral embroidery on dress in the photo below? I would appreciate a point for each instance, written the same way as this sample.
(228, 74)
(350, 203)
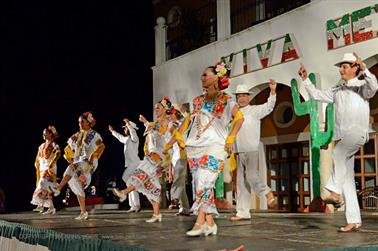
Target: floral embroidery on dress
(147, 183)
(215, 108)
(207, 162)
(205, 195)
(90, 136)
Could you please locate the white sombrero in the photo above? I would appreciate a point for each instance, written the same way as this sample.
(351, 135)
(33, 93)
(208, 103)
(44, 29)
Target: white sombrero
(347, 58)
(132, 124)
(242, 89)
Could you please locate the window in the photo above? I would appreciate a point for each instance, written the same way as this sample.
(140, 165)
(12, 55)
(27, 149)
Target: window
(365, 165)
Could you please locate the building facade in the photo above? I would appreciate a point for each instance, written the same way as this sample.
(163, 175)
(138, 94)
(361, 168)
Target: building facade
(316, 34)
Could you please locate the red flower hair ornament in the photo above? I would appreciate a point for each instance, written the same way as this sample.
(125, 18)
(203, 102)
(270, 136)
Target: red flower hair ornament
(223, 71)
(89, 117)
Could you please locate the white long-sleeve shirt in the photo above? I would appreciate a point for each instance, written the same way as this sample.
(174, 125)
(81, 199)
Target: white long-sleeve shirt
(130, 148)
(351, 103)
(248, 137)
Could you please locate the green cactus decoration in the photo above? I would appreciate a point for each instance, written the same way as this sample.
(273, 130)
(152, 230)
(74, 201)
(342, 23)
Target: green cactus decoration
(318, 138)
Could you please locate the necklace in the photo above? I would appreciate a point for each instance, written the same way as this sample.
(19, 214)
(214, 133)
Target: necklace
(201, 129)
(212, 106)
(46, 151)
(207, 106)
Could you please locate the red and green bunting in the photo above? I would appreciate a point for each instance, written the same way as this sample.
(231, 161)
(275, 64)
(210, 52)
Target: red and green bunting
(245, 62)
(289, 51)
(264, 55)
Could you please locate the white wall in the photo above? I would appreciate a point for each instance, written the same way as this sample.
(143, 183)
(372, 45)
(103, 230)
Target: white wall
(179, 78)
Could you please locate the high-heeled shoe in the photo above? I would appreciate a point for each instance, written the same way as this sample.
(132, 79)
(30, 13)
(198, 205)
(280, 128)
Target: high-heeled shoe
(355, 227)
(38, 209)
(50, 211)
(211, 230)
(82, 216)
(122, 197)
(154, 218)
(199, 231)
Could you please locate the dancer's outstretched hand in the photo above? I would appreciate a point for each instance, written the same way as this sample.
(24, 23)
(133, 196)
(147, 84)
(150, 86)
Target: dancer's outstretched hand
(302, 72)
(142, 119)
(359, 62)
(272, 86)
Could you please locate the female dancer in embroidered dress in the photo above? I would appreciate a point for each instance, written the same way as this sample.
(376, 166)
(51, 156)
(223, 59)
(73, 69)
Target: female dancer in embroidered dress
(82, 153)
(208, 142)
(145, 179)
(45, 164)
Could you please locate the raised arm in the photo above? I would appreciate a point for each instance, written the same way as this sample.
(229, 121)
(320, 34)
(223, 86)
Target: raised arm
(371, 86)
(262, 110)
(322, 96)
(121, 138)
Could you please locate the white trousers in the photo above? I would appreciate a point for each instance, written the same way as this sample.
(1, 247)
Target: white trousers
(178, 188)
(342, 179)
(133, 196)
(134, 200)
(248, 179)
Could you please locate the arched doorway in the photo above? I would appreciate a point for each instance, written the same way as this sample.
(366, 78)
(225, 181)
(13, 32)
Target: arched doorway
(286, 139)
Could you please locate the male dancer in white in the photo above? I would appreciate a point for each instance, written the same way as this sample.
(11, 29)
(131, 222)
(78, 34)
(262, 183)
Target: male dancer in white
(130, 149)
(351, 100)
(246, 149)
(179, 171)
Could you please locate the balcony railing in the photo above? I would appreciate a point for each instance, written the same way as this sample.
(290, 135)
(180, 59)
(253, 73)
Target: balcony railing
(198, 28)
(247, 13)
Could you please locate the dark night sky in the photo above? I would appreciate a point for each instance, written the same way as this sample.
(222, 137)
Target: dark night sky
(59, 60)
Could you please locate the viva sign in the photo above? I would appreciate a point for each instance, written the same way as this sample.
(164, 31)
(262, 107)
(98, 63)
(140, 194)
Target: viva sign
(264, 53)
(352, 28)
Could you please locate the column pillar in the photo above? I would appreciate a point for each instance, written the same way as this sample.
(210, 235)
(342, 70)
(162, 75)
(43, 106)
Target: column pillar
(160, 41)
(223, 19)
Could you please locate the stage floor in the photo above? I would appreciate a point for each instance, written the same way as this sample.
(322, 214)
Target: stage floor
(265, 231)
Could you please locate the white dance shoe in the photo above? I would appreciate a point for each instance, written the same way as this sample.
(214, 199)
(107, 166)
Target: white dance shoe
(38, 209)
(211, 230)
(197, 232)
(82, 216)
(154, 218)
(133, 210)
(50, 211)
(122, 197)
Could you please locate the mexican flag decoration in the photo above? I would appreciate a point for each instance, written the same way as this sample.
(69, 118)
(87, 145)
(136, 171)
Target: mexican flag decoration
(360, 23)
(245, 63)
(288, 51)
(344, 29)
(264, 55)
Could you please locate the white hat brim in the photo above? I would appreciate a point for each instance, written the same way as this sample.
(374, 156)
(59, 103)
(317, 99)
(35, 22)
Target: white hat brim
(235, 93)
(344, 61)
